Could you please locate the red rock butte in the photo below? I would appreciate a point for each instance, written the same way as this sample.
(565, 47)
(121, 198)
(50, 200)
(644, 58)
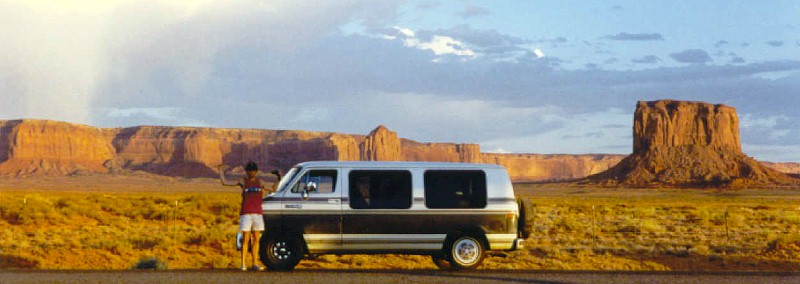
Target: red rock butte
(682, 143)
(30, 148)
(41, 147)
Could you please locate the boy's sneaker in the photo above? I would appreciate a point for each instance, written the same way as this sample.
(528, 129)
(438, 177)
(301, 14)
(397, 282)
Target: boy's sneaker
(258, 268)
(244, 268)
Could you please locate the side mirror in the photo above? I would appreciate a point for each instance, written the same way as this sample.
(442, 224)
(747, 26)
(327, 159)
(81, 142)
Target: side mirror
(308, 188)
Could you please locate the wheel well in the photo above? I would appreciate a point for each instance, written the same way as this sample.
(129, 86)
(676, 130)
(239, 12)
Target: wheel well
(288, 232)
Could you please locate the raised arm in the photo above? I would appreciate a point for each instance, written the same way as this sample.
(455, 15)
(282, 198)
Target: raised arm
(222, 179)
(274, 187)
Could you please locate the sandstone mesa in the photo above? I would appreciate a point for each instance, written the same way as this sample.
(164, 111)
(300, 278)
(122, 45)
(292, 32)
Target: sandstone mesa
(676, 143)
(42, 147)
(689, 144)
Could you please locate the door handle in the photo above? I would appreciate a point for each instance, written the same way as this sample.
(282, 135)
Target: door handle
(334, 201)
(293, 206)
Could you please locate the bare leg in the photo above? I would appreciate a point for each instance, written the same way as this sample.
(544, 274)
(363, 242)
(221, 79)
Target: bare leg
(256, 241)
(245, 246)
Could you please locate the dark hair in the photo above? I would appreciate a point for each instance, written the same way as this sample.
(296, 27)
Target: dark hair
(251, 166)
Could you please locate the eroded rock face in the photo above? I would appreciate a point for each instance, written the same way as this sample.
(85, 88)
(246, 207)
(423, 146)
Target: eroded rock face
(381, 144)
(39, 147)
(52, 148)
(671, 123)
(694, 144)
(440, 152)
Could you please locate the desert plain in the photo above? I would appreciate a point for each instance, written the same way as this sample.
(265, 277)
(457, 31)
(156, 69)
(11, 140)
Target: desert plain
(120, 221)
(687, 198)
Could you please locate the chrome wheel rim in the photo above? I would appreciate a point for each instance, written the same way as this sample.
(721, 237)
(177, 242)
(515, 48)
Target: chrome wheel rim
(281, 251)
(466, 251)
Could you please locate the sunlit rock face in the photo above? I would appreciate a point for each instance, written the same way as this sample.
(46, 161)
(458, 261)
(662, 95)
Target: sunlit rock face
(52, 148)
(41, 147)
(688, 144)
(671, 123)
(381, 144)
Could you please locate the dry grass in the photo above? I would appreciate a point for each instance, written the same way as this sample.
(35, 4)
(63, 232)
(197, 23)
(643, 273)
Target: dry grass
(68, 223)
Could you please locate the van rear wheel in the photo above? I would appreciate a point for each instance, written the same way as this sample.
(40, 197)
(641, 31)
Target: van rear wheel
(466, 252)
(281, 252)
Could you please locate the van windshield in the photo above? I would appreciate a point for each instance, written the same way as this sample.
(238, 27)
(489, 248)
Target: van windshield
(286, 178)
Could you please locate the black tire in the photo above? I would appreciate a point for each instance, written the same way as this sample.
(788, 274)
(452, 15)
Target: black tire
(281, 252)
(525, 222)
(441, 262)
(465, 252)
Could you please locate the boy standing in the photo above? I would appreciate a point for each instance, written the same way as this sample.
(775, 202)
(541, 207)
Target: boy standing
(250, 216)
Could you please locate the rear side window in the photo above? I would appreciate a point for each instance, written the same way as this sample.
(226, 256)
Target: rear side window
(380, 189)
(324, 181)
(455, 189)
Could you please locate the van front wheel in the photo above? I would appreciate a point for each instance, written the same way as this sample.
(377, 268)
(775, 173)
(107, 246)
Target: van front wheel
(281, 252)
(466, 252)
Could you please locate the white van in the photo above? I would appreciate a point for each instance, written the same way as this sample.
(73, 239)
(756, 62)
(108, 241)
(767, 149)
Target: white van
(454, 212)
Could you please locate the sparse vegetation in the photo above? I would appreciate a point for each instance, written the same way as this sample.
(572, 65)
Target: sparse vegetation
(575, 228)
(150, 262)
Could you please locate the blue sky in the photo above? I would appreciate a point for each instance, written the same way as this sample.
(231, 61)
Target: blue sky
(513, 76)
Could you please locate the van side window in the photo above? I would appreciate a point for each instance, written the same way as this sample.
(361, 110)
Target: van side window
(325, 181)
(381, 189)
(455, 189)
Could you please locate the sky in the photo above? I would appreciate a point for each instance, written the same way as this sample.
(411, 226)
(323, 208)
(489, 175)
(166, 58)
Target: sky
(513, 76)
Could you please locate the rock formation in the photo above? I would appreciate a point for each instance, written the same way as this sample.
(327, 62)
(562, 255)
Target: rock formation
(41, 147)
(670, 123)
(381, 144)
(679, 143)
(51, 148)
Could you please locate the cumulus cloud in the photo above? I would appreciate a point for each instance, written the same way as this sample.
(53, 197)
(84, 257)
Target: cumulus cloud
(471, 11)
(647, 59)
(438, 44)
(84, 55)
(691, 56)
(288, 66)
(721, 43)
(635, 37)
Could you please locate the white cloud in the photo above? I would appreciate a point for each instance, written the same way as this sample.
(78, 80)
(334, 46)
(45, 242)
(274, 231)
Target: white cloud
(61, 59)
(406, 32)
(538, 52)
(156, 112)
(440, 45)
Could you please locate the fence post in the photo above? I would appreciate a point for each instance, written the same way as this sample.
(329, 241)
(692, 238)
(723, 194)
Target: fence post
(594, 225)
(727, 234)
(175, 223)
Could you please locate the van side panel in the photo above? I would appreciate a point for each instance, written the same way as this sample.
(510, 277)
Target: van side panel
(328, 224)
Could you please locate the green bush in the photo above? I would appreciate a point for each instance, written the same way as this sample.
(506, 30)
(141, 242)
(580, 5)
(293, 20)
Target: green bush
(150, 262)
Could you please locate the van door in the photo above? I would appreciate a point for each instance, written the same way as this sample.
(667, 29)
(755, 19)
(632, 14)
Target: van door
(377, 214)
(312, 207)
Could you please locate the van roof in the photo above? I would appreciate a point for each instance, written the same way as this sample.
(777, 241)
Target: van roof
(374, 164)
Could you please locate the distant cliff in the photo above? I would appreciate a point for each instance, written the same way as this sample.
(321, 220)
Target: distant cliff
(42, 147)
